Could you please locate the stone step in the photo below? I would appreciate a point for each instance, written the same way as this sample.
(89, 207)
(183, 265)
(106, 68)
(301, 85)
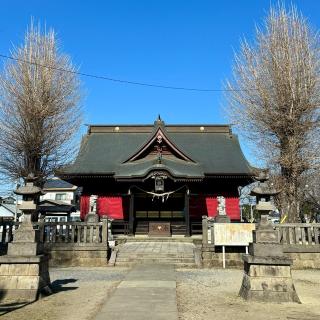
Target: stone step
(155, 239)
(147, 251)
(176, 264)
(153, 257)
(157, 260)
(155, 254)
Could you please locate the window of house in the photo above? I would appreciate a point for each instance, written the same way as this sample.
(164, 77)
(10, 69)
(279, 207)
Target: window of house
(61, 196)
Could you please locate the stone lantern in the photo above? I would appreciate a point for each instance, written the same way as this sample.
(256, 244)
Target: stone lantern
(26, 239)
(263, 193)
(267, 271)
(24, 270)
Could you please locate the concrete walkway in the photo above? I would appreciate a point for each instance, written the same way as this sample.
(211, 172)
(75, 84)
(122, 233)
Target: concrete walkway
(147, 292)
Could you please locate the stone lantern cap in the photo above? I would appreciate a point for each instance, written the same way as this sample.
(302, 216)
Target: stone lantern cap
(263, 188)
(29, 188)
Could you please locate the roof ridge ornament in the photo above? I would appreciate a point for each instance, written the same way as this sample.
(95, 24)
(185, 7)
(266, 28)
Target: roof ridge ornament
(159, 122)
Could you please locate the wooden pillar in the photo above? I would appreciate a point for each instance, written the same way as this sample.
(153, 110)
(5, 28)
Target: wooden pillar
(186, 213)
(131, 215)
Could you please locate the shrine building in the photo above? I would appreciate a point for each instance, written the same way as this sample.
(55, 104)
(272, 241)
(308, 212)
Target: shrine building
(142, 174)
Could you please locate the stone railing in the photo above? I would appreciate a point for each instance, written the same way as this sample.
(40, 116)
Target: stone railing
(61, 232)
(301, 243)
(66, 243)
(73, 232)
(306, 234)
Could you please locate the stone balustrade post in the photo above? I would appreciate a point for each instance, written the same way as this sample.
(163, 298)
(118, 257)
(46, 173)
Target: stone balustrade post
(204, 230)
(105, 230)
(207, 250)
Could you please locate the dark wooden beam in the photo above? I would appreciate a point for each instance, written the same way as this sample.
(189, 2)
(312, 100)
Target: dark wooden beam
(131, 215)
(186, 213)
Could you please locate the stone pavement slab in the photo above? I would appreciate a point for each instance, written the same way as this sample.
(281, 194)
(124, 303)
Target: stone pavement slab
(148, 292)
(157, 247)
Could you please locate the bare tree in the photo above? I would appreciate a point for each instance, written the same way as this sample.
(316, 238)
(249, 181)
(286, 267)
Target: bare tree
(39, 107)
(274, 98)
(312, 191)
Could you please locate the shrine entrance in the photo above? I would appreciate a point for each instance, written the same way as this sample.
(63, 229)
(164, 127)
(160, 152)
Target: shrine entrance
(153, 208)
(159, 216)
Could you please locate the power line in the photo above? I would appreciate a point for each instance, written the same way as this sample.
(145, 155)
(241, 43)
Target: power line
(117, 80)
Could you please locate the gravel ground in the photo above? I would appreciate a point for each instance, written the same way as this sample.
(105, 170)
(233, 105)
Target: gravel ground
(79, 293)
(212, 294)
(202, 294)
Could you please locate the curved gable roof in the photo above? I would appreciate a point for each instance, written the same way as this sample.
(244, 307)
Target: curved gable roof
(105, 149)
(159, 133)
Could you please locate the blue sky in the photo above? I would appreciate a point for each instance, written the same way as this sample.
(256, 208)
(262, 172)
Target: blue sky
(171, 42)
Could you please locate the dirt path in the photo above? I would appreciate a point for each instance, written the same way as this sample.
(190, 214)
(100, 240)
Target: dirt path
(212, 294)
(79, 295)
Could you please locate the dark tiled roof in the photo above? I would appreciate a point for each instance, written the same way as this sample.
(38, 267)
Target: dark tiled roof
(214, 150)
(57, 184)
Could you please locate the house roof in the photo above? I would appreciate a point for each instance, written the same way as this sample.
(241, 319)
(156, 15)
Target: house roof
(52, 206)
(8, 210)
(56, 183)
(207, 150)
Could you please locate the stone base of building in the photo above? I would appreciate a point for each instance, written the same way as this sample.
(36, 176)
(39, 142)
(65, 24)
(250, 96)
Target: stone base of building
(72, 255)
(207, 252)
(268, 279)
(305, 260)
(301, 260)
(23, 278)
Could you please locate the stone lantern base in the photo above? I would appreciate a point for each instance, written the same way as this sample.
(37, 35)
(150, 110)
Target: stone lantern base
(23, 278)
(24, 272)
(267, 272)
(268, 279)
